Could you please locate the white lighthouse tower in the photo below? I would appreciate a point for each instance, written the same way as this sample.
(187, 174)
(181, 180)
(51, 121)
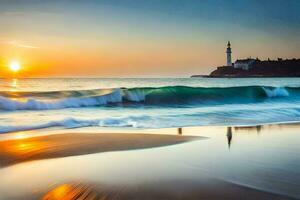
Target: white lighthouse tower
(228, 52)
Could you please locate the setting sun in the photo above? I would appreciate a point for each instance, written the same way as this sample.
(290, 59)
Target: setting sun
(14, 66)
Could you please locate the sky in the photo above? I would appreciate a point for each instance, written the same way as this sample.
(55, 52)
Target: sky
(149, 38)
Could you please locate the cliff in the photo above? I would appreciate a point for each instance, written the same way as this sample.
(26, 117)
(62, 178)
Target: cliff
(267, 68)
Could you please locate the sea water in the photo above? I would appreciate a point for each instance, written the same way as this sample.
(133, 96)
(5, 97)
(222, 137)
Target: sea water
(29, 104)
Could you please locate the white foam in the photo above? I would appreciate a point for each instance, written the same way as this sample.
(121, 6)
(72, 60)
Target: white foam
(77, 123)
(276, 92)
(34, 104)
(135, 95)
(66, 123)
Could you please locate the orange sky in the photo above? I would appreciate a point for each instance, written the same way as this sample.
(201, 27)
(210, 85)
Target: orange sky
(85, 59)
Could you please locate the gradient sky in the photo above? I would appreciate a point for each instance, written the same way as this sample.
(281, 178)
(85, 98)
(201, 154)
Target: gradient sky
(149, 38)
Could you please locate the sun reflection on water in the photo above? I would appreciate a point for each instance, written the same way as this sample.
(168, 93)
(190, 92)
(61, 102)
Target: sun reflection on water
(14, 85)
(20, 135)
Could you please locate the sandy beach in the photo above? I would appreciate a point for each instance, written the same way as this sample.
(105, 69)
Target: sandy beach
(145, 175)
(62, 145)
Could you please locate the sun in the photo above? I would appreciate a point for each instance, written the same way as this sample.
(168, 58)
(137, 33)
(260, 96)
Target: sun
(14, 66)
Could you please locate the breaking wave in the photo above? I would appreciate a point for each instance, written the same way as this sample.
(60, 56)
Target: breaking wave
(71, 123)
(160, 96)
(72, 102)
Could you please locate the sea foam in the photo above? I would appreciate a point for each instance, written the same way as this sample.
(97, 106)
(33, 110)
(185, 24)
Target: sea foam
(70, 123)
(73, 102)
(276, 92)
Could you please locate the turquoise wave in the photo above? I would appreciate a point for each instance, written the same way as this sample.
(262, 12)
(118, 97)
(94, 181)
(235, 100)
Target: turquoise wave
(160, 96)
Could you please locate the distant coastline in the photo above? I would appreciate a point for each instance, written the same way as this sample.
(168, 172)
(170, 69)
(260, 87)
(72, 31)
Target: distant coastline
(258, 69)
(249, 67)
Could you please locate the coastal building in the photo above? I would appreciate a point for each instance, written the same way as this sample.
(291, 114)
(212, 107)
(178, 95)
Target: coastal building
(228, 52)
(244, 64)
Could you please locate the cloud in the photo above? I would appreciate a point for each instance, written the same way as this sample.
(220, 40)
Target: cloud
(21, 45)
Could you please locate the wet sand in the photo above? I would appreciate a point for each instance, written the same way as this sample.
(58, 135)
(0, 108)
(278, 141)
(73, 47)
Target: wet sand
(63, 145)
(171, 190)
(161, 180)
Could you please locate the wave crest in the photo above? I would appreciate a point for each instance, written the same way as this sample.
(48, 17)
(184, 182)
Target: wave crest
(161, 96)
(73, 102)
(276, 92)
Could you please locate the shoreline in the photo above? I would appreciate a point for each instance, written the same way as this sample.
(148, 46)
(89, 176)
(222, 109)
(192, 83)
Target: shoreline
(17, 148)
(95, 130)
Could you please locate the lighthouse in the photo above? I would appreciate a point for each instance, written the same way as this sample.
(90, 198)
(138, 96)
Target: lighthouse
(228, 52)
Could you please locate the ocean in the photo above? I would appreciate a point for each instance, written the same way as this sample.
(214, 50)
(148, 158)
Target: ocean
(135, 103)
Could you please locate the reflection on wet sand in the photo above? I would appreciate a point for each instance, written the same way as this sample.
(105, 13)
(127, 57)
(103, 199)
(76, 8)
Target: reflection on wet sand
(241, 130)
(175, 190)
(180, 131)
(229, 136)
(255, 129)
(73, 192)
